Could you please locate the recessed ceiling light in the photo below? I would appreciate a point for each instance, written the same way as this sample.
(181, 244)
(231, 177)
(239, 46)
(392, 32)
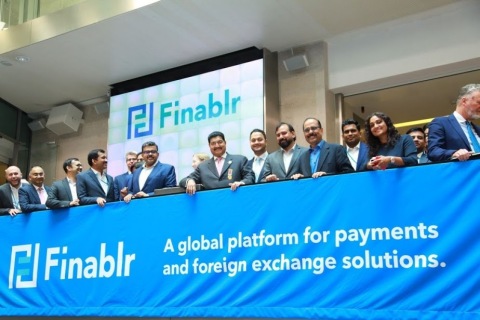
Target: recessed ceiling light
(22, 58)
(6, 63)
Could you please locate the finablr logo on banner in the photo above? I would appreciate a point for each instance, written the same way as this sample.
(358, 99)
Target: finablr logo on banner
(58, 263)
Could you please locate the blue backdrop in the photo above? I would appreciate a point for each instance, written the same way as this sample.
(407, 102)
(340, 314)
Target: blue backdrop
(400, 243)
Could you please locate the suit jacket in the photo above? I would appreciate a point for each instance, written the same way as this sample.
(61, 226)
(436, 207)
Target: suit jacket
(6, 202)
(445, 137)
(59, 195)
(274, 164)
(29, 199)
(121, 181)
(333, 159)
(162, 176)
(89, 188)
(234, 168)
(362, 157)
(260, 175)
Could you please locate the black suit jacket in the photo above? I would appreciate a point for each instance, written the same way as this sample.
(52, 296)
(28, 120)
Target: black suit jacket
(60, 195)
(89, 188)
(6, 202)
(260, 175)
(333, 159)
(234, 169)
(29, 199)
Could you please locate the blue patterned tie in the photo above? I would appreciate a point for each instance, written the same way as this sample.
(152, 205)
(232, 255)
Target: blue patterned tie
(473, 139)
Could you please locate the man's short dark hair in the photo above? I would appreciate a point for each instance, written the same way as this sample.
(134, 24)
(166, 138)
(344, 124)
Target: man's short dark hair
(416, 129)
(259, 130)
(68, 163)
(290, 128)
(310, 118)
(93, 155)
(149, 144)
(215, 134)
(349, 122)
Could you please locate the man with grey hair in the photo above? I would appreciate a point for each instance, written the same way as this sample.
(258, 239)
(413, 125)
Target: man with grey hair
(455, 136)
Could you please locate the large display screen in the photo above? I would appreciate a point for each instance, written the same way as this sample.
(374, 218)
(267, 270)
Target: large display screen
(180, 115)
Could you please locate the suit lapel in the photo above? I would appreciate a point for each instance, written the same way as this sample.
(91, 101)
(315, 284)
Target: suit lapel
(456, 126)
(323, 155)
(212, 167)
(280, 161)
(66, 186)
(34, 193)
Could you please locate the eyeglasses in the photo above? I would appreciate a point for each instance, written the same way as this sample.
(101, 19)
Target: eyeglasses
(313, 128)
(149, 152)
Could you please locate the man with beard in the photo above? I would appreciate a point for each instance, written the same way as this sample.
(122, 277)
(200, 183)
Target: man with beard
(285, 162)
(63, 193)
(455, 136)
(153, 175)
(418, 136)
(222, 170)
(9, 204)
(95, 185)
(33, 196)
(258, 144)
(121, 182)
(357, 151)
(322, 157)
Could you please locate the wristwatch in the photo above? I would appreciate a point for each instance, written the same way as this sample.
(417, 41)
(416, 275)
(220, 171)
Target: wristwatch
(392, 160)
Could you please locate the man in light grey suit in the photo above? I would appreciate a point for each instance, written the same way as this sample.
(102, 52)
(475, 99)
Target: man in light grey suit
(221, 171)
(63, 193)
(285, 162)
(322, 157)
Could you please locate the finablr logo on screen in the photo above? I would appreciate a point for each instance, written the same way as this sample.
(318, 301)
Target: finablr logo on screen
(60, 264)
(140, 118)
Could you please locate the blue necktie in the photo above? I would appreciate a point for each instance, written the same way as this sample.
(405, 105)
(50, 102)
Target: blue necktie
(473, 139)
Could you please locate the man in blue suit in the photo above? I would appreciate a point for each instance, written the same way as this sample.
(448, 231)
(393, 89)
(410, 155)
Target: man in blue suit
(122, 181)
(258, 144)
(454, 136)
(33, 196)
(63, 193)
(153, 175)
(322, 157)
(95, 185)
(357, 151)
(222, 170)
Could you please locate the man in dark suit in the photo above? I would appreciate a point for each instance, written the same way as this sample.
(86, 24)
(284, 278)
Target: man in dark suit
(285, 162)
(258, 144)
(95, 185)
(63, 193)
(357, 151)
(322, 157)
(221, 171)
(455, 136)
(9, 204)
(419, 138)
(33, 196)
(153, 175)
(121, 182)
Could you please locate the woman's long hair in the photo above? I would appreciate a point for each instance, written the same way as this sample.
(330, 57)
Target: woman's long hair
(373, 142)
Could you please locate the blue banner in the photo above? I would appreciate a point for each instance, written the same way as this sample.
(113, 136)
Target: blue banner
(393, 244)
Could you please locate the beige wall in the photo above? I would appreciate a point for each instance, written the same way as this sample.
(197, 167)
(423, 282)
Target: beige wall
(302, 94)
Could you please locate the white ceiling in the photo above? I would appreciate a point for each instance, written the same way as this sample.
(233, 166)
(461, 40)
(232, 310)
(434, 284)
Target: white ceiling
(79, 66)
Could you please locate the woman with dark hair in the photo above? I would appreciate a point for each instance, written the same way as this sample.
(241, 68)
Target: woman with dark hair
(387, 148)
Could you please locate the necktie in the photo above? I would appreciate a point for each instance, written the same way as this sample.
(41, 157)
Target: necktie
(219, 164)
(41, 195)
(473, 139)
(257, 167)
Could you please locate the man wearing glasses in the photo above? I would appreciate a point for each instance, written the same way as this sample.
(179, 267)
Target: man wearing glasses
(322, 157)
(153, 175)
(285, 162)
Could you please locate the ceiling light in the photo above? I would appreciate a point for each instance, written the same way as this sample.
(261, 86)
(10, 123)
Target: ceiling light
(413, 123)
(22, 58)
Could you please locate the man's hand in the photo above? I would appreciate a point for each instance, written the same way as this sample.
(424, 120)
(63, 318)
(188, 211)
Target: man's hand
(101, 202)
(235, 185)
(462, 155)
(318, 174)
(123, 192)
(13, 212)
(297, 176)
(75, 202)
(191, 187)
(271, 177)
